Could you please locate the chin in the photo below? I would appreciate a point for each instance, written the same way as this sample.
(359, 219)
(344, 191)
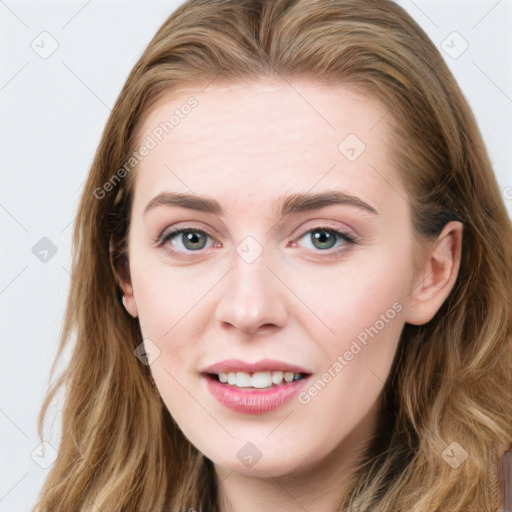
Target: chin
(266, 467)
(262, 460)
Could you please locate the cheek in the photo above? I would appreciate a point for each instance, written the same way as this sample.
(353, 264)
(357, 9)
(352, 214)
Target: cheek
(171, 304)
(364, 308)
(365, 293)
(372, 308)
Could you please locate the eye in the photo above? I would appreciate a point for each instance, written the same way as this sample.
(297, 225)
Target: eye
(324, 238)
(185, 239)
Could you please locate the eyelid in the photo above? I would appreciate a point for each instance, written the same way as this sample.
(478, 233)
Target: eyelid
(337, 230)
(167, 233)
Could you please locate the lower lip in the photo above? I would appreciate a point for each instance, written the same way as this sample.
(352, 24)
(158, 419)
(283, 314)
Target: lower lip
(253, 402)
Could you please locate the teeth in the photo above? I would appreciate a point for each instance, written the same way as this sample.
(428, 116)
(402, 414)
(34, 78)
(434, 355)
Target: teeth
(258, 380)
(243, 380)
(277, 377)
(261, 380)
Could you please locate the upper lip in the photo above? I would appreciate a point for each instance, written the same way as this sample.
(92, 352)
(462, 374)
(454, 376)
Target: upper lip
(236, 365)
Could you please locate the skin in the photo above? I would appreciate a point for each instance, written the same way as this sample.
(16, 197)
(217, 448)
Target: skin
(247, 146)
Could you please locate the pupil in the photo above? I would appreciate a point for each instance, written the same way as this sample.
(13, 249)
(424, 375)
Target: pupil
(323, 237)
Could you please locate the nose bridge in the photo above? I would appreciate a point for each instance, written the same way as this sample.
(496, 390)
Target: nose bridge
(251, 297)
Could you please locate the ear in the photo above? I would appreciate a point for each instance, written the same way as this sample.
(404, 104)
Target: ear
(437, 275)
(129, 300)
(120, 266)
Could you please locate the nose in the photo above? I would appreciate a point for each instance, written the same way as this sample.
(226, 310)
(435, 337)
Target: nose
(252, 299)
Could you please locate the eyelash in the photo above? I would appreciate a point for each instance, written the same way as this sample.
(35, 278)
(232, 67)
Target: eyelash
(169, 235)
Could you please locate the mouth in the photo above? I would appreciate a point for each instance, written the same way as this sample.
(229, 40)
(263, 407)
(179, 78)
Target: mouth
(252, 381)
(254, 388)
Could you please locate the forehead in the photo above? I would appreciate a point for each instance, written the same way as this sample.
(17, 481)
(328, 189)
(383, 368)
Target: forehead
(258, 140)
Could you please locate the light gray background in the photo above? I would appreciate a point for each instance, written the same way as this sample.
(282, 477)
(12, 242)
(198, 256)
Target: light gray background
(53, 109)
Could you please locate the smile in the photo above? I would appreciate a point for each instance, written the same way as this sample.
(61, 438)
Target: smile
(257, 380)
(251, 399)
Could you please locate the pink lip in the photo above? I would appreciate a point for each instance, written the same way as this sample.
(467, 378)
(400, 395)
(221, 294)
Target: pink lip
(253, 402)
(236, 365)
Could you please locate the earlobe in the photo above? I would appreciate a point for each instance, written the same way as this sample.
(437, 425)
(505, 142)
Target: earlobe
(130, 304)
(437, 275)
(128, 298)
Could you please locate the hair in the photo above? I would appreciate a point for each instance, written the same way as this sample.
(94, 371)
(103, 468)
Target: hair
(120, 448)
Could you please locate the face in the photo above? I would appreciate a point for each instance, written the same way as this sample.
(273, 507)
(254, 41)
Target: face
(270, 241)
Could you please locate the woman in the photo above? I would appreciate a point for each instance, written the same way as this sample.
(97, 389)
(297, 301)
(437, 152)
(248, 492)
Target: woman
(291, 279)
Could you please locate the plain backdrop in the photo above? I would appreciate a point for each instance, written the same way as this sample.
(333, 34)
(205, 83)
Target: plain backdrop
(62, 67)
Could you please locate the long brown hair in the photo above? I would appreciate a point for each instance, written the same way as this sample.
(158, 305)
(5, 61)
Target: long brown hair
(120, 448)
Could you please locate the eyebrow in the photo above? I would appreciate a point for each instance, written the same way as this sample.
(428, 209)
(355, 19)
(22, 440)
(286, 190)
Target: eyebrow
(294, 203)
